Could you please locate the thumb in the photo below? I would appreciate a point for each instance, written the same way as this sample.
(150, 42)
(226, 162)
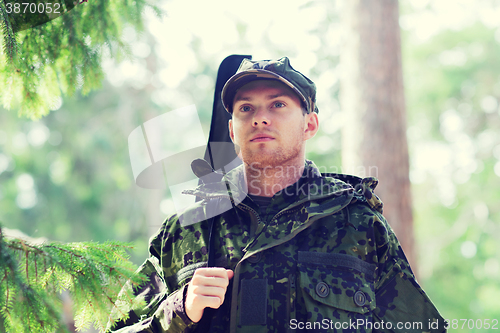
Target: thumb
(230, 274)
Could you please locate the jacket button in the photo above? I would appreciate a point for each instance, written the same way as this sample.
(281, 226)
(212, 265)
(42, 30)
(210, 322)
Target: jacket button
(255, 258)
(322, 289)
(359, 298)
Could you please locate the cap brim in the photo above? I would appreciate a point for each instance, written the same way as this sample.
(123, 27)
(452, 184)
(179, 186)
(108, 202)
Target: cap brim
(240, 79)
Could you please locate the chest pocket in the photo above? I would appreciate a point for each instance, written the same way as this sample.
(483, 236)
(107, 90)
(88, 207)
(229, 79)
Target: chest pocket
(342, 284)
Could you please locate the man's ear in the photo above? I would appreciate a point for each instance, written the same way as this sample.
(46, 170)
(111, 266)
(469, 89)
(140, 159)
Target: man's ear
(231, 133)
(311, 125)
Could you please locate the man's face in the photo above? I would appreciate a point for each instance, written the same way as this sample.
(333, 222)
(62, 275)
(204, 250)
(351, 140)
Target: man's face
(269, 126)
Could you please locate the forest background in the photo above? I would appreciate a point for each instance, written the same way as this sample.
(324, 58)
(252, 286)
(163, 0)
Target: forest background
(68, 176)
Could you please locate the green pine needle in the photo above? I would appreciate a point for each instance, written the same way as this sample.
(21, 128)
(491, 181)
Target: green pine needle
(33, 276)
(62, 56)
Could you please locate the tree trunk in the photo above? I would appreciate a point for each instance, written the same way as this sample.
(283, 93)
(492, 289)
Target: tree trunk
(372, 97)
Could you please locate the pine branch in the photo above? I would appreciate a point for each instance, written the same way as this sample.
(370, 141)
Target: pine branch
(93, 273)
(64, 55)
(10, 45)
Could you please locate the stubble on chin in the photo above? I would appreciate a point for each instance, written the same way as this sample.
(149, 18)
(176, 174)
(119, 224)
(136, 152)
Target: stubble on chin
(265, 158)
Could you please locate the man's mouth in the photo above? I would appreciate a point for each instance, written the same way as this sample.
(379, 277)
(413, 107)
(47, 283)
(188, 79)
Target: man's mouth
(261, 138)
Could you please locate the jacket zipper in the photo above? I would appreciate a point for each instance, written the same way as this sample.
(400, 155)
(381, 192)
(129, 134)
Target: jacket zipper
(290, 302)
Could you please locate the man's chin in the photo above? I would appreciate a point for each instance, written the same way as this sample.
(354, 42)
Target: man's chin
(262, 158)
(265, 158)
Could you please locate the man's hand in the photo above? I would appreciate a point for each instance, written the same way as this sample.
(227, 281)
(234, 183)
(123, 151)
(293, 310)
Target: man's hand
(206, 289)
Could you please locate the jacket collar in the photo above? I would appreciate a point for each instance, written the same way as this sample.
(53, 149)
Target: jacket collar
(312, 185)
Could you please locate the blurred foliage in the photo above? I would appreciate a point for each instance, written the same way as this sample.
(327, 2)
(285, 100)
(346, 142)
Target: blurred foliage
(67, 176)
(39, 65)
(453, 93)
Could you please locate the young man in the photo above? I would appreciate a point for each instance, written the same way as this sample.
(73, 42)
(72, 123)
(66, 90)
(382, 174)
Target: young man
(297, 251)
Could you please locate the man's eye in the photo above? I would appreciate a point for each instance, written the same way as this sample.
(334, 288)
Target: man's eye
(279, 104)
(245, 108)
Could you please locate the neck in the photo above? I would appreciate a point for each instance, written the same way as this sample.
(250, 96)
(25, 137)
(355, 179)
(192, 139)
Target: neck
(266, 180)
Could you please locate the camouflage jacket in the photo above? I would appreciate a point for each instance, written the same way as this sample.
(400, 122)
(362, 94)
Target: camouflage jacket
(325, 259)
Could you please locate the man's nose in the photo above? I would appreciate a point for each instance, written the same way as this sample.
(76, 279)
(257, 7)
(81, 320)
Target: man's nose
(261, 117)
